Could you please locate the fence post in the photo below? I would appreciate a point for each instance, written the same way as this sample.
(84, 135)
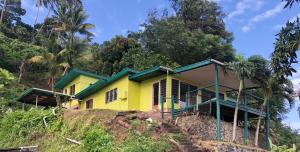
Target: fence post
(172, 108)
(162, 107)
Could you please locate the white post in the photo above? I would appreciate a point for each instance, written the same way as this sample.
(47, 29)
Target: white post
(36, 101)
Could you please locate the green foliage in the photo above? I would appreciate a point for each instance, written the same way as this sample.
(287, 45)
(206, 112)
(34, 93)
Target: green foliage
(16, 128)
(285, 135)
(286, 47)
(202, 14)
(98, 140)
(138, 143)
(283, 148)
(138, 59)
(13, 52)
(5, 78)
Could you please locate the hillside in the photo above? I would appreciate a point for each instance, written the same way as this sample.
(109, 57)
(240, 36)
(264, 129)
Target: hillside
(94, 129)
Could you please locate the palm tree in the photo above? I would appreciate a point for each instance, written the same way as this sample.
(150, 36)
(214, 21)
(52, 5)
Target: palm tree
(71, 21)
(3, 11)
(52, 58)
(269, 86)
(243, 69)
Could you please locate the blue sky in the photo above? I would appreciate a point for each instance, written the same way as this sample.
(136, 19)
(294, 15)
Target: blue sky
(254, 24)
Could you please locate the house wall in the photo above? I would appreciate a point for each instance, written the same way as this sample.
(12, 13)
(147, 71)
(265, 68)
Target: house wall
(99, 97)
(146, 92)
(134, 95)
(81, 82)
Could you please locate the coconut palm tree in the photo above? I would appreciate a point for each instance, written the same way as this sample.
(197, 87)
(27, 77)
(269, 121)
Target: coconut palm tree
(269, 86)
(71, 21)
(243, 69)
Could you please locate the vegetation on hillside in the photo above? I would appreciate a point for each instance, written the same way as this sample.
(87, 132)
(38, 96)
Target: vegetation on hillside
(21, 128)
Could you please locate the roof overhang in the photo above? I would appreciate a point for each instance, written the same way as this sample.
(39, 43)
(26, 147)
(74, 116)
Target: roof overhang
(101, 84)
(150, 73)
(203, 74)
(41, 97)
(70, 76)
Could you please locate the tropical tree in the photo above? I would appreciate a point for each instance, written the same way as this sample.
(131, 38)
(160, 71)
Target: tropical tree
(71, 21)
(269, 86)
(286, 47)
(243, 69)
(11, 11)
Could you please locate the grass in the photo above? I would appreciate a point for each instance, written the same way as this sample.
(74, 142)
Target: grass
(90, 127)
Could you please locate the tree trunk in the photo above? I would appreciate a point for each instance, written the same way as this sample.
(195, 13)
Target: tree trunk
(21, 68)
(41, 28)
(65, 71)
(3, 11)
(236, 111)
(37, 13)
(259, 121)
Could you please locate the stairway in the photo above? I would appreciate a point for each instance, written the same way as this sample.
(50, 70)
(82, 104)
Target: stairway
(185, 143)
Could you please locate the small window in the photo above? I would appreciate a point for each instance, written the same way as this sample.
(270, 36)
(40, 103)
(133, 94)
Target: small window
(72, 89)
(89, 104)
(115, 92)
(111, 95)
(66, 91)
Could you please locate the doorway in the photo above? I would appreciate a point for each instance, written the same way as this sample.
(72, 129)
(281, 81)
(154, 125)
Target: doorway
(155, 94)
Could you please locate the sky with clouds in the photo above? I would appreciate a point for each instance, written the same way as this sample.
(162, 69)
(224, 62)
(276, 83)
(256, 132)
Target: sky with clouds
(254, 24)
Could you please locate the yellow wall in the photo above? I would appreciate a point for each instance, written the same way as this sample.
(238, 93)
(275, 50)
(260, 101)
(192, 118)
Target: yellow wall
(81, 82)
(146, 92)
(133, 95)
(99, 97)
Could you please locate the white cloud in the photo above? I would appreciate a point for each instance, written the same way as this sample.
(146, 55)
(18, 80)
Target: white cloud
(245, 5)
(269, 13)
(246, 28)
(263, 16)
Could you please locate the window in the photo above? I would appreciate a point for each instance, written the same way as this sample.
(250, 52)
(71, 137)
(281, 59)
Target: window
(72, 89)
(111, 95)
(175, 89)
(66, 91)
(180, 89)
(89, 104)
(115, 93)
(163, 88)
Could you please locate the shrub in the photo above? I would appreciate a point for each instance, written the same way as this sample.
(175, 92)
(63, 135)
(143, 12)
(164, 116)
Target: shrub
(143, 143)
(98, 140)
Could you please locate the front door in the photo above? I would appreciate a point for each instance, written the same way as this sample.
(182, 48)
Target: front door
(155, 94)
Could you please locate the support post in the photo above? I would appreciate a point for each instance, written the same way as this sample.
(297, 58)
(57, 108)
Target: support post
(267, 125)
(246, 134)
(36, 101)
(218, 128)
(162, 107)
(172, 107)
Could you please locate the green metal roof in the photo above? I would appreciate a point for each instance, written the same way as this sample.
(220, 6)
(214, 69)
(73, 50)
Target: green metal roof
(100, 84)
(197, 65)
(70, 76)
(45, 97)
(149, 73)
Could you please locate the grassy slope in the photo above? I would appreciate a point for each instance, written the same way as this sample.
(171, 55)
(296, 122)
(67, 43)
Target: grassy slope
(91, 128)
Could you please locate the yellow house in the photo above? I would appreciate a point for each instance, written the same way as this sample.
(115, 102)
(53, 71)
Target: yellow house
(206, 87)
(189, 86)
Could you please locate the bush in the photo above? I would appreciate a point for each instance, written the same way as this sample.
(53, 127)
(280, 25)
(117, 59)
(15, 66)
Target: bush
(143, 143)
(17, 127)
(98, 140)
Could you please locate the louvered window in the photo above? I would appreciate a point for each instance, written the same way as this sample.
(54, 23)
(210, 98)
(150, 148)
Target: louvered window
(163, 88)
